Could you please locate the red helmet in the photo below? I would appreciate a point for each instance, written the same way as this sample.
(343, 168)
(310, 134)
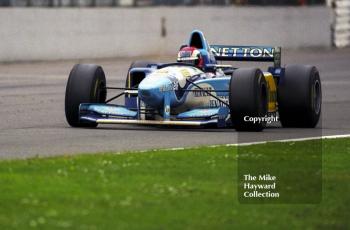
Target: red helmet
(190, 55)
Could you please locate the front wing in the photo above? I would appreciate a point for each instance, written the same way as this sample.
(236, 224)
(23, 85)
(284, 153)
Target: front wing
(115, 114)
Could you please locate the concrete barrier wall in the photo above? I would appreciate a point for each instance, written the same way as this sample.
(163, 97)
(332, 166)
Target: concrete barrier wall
(52, 34)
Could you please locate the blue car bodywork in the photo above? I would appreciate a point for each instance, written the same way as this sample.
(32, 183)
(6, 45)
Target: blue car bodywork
(181, 94)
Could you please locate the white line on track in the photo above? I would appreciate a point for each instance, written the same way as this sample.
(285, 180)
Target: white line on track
(263, 142)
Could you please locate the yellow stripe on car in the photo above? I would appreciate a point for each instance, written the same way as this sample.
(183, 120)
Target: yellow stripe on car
(272, 89)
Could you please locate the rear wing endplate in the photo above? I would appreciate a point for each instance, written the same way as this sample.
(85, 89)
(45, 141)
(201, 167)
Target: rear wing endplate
(247, 53)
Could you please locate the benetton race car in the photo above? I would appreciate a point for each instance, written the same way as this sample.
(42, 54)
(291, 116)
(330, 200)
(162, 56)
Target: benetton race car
(198, 91)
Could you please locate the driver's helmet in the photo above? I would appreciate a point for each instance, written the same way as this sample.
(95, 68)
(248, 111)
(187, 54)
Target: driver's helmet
(190, 55)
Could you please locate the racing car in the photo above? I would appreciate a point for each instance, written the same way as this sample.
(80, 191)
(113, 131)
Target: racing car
(199, 90)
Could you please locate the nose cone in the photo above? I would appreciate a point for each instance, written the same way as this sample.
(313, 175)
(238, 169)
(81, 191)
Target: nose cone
(151, 90)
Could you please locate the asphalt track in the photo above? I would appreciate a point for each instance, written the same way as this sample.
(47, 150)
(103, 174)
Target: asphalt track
(33, 121)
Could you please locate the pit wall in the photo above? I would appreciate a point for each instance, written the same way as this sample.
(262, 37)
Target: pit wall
(75, 33)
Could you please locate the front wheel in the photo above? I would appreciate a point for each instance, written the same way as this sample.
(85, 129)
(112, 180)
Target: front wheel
(86, 84)
(248, 99)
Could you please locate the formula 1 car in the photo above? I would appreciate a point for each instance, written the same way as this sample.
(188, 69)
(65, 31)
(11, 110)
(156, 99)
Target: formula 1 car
(198, 91)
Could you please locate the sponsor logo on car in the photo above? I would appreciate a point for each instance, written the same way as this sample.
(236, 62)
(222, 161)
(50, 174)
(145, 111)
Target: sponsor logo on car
(254, 52)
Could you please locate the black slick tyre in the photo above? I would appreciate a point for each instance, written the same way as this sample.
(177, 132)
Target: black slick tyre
(299, 96)
(248, 98)
(86, 84)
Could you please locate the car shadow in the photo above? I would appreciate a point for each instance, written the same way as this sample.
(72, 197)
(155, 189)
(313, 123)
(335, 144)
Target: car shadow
(173, 128)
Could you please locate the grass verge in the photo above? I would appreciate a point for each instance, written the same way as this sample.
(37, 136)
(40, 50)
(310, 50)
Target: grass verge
(184, 189)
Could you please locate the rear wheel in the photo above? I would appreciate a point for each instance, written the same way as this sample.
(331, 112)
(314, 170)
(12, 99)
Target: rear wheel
(300, 96)
(86, 84)
(248, 99)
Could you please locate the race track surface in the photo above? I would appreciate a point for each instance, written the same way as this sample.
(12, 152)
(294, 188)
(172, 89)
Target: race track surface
(33, 121)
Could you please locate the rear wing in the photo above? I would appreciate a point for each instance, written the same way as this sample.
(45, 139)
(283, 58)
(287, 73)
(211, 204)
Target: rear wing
(247, 53)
